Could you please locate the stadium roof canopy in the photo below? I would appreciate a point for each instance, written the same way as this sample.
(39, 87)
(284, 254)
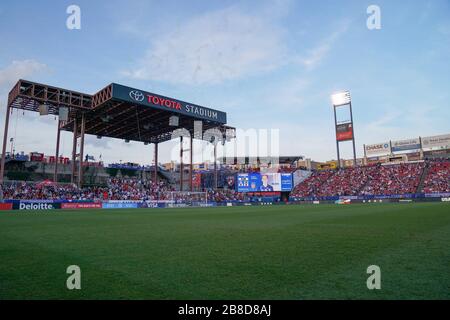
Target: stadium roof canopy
(258, 160)
(119, 111)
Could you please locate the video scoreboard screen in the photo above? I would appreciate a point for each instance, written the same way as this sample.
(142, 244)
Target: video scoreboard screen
(266, 182)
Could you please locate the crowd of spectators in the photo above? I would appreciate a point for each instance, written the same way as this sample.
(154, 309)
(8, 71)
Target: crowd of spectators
(310, 187)
(117, 189)
(346, 182)
(225, 195)
(393, 179)
(437, 179)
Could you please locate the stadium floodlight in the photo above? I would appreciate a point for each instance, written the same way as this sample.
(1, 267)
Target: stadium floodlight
(340, 98)
(43, 109)
(174, 121)
(106, 118)
(230, 134)
(63, 113)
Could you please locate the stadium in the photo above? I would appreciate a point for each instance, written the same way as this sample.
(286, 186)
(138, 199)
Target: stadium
(239, 227)
(244, 204)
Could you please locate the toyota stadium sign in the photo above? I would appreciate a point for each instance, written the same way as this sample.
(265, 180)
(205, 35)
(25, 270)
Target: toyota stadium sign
(156, 101)
(378, 149)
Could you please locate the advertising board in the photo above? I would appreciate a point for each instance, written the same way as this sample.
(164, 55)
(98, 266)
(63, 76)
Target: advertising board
(268, 182)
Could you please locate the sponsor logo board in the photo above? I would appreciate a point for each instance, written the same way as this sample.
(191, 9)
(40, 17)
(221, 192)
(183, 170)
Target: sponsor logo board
(378, 148)
(442, 141)
(38, 206)
(403, 145)
(81, 205)
(6, 206)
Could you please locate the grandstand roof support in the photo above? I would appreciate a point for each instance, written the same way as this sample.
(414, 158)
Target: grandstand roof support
(156, 162)
(58, 139)
(215, 164)
(181, 163)
(5, 142)
(191, 166)
(80, 163)
(74, 150)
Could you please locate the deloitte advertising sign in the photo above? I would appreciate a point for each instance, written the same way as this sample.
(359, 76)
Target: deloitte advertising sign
(36, 205)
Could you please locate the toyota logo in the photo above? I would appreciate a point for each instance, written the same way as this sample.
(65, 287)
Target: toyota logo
(136, 95)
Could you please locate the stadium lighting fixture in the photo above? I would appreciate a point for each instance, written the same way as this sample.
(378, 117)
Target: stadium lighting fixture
(174, 121)
(63, 113)
(106, 118)
(340, 98)
(43, 109)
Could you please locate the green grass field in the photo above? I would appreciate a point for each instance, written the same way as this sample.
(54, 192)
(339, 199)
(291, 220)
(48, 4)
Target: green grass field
(280, 252)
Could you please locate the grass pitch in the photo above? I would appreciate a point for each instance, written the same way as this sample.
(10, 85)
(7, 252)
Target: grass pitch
(279, 252)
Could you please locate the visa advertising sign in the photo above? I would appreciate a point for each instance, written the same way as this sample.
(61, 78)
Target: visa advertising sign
(268, 182)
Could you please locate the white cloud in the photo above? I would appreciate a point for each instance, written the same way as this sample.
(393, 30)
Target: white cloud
(321, 50)
(19, 69)
(212, 48)
(9, 75)
(291, 94)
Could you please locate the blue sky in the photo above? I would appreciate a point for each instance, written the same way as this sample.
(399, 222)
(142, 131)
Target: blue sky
(269, 65)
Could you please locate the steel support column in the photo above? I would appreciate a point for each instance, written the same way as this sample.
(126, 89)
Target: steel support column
(58, 138)
(5, 141)
(215, 165)
(353, 134)
(192, 164)
(74, 150)
(181, 163)
(337, 141)
(80, 165)
(156, 162)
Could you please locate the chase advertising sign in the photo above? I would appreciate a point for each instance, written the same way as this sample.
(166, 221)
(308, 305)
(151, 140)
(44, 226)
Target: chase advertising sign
(378, 149)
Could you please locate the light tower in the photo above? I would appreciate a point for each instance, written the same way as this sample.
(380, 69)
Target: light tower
(344, 129)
